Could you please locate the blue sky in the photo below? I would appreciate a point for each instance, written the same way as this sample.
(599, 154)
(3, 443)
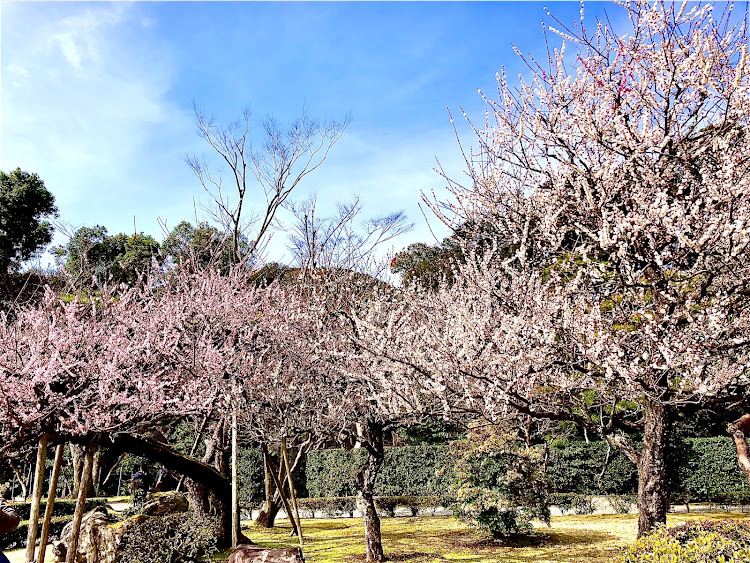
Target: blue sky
(97, 98)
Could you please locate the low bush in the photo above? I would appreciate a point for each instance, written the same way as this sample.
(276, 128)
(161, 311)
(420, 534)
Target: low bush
(622, 504)
(706, 541)
(177, 538)
(572, 502)
(386, 505)
(17, 538)
(500, 484)
(63, 507)
(329, 505)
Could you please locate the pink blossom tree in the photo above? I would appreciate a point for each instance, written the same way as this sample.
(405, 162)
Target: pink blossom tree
(616, 289)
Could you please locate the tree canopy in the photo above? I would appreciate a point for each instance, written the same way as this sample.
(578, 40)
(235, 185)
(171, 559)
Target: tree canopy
(25, 207)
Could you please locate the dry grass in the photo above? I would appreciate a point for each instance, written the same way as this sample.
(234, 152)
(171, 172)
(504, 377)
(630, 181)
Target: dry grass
(570, 539)
(595, 538)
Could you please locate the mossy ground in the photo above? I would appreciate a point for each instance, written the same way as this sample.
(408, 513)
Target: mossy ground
(570, 539)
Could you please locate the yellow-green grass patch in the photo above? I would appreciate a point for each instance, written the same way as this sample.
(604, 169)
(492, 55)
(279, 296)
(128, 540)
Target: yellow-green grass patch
(570, 539)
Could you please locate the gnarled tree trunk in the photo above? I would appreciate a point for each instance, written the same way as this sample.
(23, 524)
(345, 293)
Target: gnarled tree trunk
(653, 491)
(208, 491)
(372, 440)
(267, 516)
(739, 429)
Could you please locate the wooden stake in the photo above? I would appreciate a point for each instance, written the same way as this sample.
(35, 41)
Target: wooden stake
(83, 486)
(292, 494)
(36, 498)
(235, 491)
(50, 502)
(277, 481)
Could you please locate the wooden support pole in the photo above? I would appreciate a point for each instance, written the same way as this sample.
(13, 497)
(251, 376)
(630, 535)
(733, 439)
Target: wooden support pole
(88, 461)
(277, 482)
(292, 494)
(36, 498)
(235, 489)
(50, 502)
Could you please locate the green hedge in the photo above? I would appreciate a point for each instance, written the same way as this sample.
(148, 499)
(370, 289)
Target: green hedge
(407, 471)
(706, 469)
(17, 538)
(577, 466)
(386, 505)
(702, 469)
(63, 507)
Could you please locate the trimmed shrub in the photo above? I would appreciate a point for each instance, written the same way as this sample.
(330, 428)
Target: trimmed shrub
(177, 538)
(706, 541)
(330, 505)
(500, 484)
(17, 538)
(622, 504)
(407, 471)
(706, 469)
(577, 467)
(63, 507)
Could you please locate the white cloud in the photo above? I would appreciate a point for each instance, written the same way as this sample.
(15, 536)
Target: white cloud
(88, 109)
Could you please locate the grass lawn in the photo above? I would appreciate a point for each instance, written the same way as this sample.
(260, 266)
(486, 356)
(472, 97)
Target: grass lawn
(595, 539)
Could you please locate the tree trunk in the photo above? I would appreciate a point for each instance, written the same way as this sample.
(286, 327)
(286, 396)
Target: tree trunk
(373, 440)
(267, 515)
(653, 491)
(19, 475)
(738, 429)
(272, 505)
(70, 556)
(292, 493)
(207, 489)
(235, 488)
(76, 456)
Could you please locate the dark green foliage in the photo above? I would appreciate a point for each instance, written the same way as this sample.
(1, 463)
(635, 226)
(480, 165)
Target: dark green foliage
(63, 507)
(503, 523)
(333, 473)
(500, 484)
(412, 470)
(702, 469)
(24, 205)
(706, 469)
(177, 538)
(250, 476)
(94, 258)
(426, 265)
(17, 538)
(202, 244)
(577, 467)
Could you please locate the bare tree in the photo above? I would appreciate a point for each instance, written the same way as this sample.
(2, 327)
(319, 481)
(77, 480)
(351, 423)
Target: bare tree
(341, 241)
(278, 162)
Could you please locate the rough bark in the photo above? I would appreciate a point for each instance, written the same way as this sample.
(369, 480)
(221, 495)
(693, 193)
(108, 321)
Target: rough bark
(207, 489)
(19, 476)
(653, 491)
(80, 504)
(738, 429)
(372, 439)
(257, 554)
(235, 486)
(267, 515)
